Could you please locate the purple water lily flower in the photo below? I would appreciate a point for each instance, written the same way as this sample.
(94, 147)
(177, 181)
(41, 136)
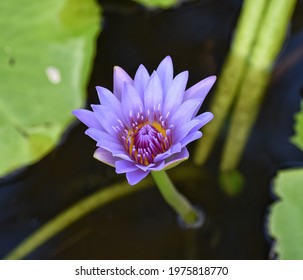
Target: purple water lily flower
(146, 123)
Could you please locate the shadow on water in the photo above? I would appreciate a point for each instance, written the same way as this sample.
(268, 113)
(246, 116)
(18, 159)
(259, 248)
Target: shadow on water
(141, 226)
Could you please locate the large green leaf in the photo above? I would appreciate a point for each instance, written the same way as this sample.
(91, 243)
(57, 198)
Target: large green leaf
(286, 215)
(297, 139)
(46, 52)
(158, 3)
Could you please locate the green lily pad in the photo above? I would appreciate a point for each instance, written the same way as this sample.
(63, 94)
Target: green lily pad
(164, 4)
(297, 139)
(286, 215)
(46, 52)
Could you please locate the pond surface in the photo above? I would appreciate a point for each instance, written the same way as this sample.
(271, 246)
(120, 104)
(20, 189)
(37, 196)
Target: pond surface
(197, 36)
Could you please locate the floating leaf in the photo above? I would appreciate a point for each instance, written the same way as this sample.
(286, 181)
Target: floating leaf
(286, 216)
(46, 51)
(297, 139)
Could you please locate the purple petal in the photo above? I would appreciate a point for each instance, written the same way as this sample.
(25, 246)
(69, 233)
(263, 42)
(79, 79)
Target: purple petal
(109, 100)
(176, 159)
(201, 89)
(191, 137)
(153, 94)
(185, 112)
(141, 79)
(152, 166)
(111, 146)
(104, 156)
(106, 97)
(107, 118)
(145, 168)
(172, 150)
(175, 94)
(204, 119)
(88, 118)
(166, 72)
(122, 155)
(120, 77)
(159, 166)
(123, 166)
(98, 135)
(135, 177)
(132, 103)
(183, 130)
(195, 124)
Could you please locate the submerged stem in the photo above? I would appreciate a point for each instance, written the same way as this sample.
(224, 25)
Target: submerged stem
(72, 214)
(268, 45)
(176, 200)
(85, 206)
(232, 74)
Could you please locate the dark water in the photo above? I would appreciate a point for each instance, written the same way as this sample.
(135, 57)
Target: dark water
(141, 226)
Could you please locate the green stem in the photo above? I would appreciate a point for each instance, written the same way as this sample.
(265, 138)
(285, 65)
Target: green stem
(244, 115)
(72, 214)
(248, 27)
(232, 74)
(272, 35)
(84, 207)
(175, 199)
(264, 54)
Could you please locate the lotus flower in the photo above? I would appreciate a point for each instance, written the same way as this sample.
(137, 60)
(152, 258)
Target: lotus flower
(146, 123)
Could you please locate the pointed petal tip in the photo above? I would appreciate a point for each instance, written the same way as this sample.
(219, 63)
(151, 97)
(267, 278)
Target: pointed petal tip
(94, 106)
(121, 73)
(209, 81)
(105, 157)
(167, 58)
(117, 68)
(200, 89)
(141, 68)
(75, 112)
(141, 72)
(184, 74)
(212, 78)
(100, 89)
(136, 176)
(87, 117)
(120, 76)
(208, 116)
(166, 63)
(80, 111)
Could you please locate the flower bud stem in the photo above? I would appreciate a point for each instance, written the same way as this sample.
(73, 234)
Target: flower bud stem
(175, 199)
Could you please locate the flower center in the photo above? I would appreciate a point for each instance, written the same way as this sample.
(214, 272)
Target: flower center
(145, 141)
